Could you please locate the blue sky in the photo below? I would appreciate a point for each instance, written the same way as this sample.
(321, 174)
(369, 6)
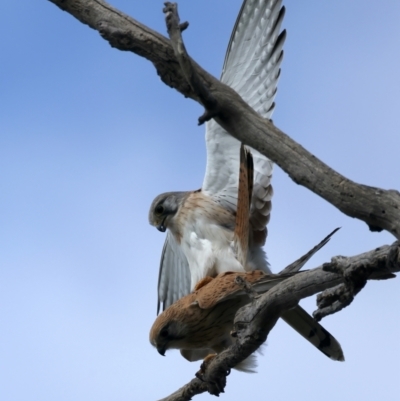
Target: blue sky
(89, 136)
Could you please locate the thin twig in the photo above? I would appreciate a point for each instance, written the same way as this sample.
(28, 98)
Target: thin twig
(175, 29)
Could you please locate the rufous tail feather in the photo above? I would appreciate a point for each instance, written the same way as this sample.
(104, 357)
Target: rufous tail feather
(245, 191)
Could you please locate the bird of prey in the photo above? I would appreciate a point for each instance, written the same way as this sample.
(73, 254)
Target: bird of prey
(200, 323)
(200, 224)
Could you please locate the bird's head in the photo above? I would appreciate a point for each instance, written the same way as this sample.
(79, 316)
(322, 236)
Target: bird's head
(168, 332)
(163, 209)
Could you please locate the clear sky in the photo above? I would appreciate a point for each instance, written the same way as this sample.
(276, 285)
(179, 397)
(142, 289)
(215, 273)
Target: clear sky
(89, 136)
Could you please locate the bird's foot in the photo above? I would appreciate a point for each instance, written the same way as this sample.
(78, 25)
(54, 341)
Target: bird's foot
(203, 367)
(217, 384)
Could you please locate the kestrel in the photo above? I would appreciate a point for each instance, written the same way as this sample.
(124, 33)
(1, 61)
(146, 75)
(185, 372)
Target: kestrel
(201, 223)
(200, 323)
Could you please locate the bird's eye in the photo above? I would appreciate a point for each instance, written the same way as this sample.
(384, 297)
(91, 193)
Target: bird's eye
(164, 333)
(159, 209)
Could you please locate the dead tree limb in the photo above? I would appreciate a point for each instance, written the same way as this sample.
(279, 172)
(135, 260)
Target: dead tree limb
(374, 265)
(189, 70)
(254, 321)
(378, 208)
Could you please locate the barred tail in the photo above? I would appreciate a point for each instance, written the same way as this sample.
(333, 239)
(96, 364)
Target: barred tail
(313, 332)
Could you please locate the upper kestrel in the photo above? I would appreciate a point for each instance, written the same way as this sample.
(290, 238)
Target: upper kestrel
(201, 223)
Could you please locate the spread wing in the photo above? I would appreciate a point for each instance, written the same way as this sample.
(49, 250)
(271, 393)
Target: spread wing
(252, 68)
(174, 276)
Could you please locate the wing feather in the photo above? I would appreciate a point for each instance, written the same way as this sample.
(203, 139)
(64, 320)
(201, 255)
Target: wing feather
(174, 275)
(252, 68)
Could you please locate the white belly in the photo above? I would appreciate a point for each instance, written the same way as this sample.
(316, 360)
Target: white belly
(209, 252)
(206, 241)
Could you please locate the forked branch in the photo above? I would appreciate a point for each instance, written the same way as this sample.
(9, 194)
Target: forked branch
(378, 208)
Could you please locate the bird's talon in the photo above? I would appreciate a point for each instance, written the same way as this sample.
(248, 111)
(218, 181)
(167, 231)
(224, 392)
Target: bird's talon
(199, 375)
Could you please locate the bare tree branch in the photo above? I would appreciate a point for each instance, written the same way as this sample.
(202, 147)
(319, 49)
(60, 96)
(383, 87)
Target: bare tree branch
(379, 208)
(254, 321)
(189, 70)
(373, 265)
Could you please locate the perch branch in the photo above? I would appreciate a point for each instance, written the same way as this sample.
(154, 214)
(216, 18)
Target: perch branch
(378, 208)
(254, 321)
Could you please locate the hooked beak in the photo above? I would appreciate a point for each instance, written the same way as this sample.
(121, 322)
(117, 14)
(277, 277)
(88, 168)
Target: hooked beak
(161, 350)
(162, 227)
